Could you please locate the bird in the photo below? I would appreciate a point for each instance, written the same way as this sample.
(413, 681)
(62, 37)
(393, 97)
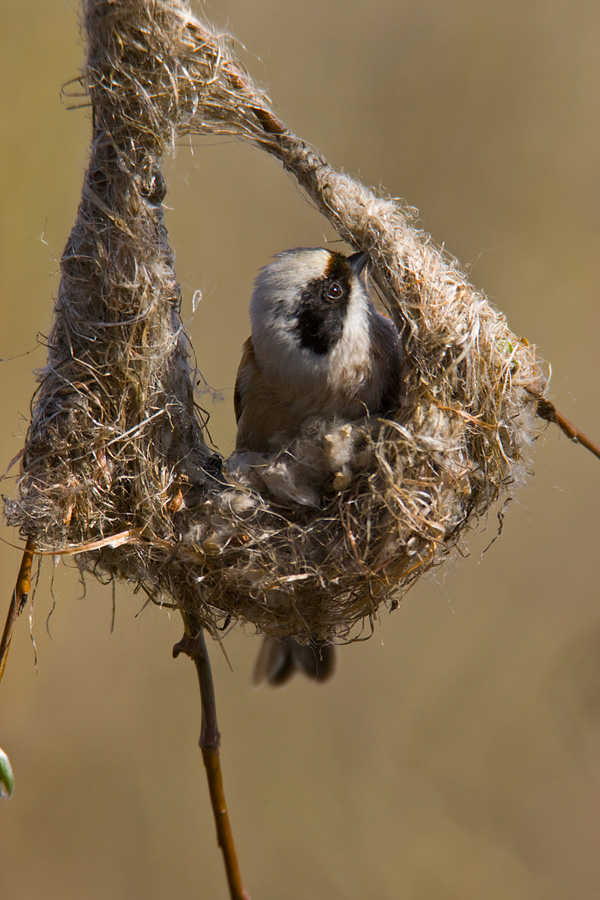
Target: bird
(318, 349)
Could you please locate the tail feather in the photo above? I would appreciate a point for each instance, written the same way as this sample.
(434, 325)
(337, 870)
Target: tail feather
(279, 660)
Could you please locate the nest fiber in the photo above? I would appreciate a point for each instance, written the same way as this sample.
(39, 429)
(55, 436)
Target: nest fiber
(311, 540)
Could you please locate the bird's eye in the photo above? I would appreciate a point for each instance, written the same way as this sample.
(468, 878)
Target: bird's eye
(334, 291)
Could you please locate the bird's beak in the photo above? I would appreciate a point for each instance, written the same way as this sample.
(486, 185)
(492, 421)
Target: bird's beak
(358, 261)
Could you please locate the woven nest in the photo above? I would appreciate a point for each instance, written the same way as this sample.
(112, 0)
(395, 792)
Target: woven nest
(307, 542)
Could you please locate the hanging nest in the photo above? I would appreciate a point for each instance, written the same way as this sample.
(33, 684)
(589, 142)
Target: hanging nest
(305, 542)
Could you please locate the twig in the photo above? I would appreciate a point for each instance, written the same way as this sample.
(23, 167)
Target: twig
(17, 602)
(194, 646)
(547, 410)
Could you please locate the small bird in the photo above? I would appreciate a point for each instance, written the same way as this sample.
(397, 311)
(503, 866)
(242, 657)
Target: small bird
(318, 349)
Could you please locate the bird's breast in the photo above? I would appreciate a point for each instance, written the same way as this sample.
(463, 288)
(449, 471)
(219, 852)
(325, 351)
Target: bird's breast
(281, 385)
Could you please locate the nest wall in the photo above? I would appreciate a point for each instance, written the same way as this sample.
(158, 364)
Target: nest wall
(117, 467)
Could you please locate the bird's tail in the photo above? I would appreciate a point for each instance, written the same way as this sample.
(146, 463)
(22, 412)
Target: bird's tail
(278, 660)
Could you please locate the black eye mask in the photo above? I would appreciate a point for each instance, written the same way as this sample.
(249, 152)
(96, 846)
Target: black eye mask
(321, 312)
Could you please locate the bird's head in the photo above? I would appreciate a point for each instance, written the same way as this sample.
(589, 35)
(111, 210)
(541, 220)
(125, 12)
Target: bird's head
(304, 303)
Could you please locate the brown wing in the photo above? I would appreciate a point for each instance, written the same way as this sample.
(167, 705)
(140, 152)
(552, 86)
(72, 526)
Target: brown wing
(388, 359)
(247, 364)
(260, 410)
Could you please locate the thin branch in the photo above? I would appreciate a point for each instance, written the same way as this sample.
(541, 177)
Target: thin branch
(17, 602)
(194, 646)
(547, 410)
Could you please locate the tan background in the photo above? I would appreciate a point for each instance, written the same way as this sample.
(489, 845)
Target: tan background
(456, 756)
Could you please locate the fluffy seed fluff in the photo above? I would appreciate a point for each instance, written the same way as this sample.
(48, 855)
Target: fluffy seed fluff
(308, 542)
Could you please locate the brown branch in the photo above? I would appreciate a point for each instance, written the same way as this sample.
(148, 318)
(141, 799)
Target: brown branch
(17, 602)
(547, 410)
(194, 646)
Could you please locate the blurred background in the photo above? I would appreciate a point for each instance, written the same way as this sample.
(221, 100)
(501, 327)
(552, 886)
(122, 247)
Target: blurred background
(456, 755)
